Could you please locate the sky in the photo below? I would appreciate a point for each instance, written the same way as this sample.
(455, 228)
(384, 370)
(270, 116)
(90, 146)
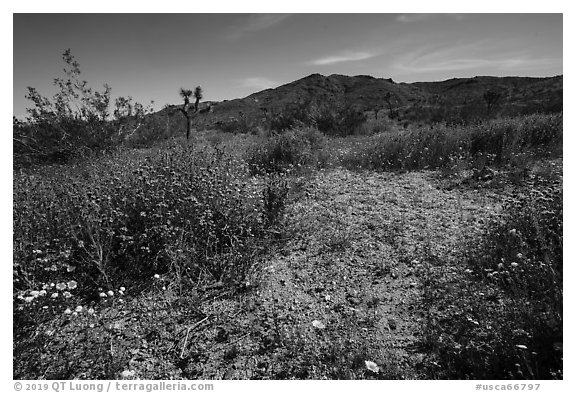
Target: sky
(150, 56)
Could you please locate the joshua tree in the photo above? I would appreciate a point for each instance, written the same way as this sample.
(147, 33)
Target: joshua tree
(491, 98)
(187, 109)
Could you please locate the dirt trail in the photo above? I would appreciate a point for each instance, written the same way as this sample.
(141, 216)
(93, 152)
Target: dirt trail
(354, 266)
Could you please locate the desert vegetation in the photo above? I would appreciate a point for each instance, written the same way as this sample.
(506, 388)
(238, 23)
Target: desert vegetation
(319, 241)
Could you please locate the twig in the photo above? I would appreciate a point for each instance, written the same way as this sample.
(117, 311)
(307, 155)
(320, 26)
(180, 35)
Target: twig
(185, 342)
(237, 340)
(188, 332)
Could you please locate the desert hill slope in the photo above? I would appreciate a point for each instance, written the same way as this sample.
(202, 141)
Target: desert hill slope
(518, 95)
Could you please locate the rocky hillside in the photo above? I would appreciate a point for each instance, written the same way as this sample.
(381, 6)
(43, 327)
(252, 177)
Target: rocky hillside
(367, 93)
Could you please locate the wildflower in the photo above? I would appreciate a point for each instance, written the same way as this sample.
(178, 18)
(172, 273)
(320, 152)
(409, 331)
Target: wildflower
(28, 299)
(78, 309)
(67, 311)
(54, 295)
(42, 293)
(122, 289)
(372, 366)
(102, 295)
(127, 373)
(519, 255)
(156, 276)
(67, 295)
(110, 293)
(70, 269)
(90, 311)
(72, 284)
(514, 264)
(318, 325)
(34, 293)
(80, 243)
(60, 286)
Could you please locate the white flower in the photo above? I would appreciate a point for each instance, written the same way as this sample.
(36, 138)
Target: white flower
(72, 284)
(90, 311)
(78, 309)
(60, 286)
(34, 293)
(28, 299)
(122, 289)
(318, 325)
(54, 295)
(128, 373)
(67, 295)
(521, 346)
(372, 366)
(102, 295)
(42, 293)
(514, 264)
(110, 293)
(68, 311)
(156, 276)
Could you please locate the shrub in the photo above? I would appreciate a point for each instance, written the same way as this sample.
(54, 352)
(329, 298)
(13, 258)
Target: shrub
(502, 317)
(125, 218)
(75, 122)
(495, 142)
(290, 150)
(338, 120)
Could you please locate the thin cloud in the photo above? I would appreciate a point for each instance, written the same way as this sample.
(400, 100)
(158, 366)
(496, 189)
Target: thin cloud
(411, 18)
(259, 83)
(257, 22)
(353, 56)
(466, 57)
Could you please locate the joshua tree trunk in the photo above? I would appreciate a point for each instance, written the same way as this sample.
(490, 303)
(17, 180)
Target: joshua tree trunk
(187, 108)
(188, 122)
